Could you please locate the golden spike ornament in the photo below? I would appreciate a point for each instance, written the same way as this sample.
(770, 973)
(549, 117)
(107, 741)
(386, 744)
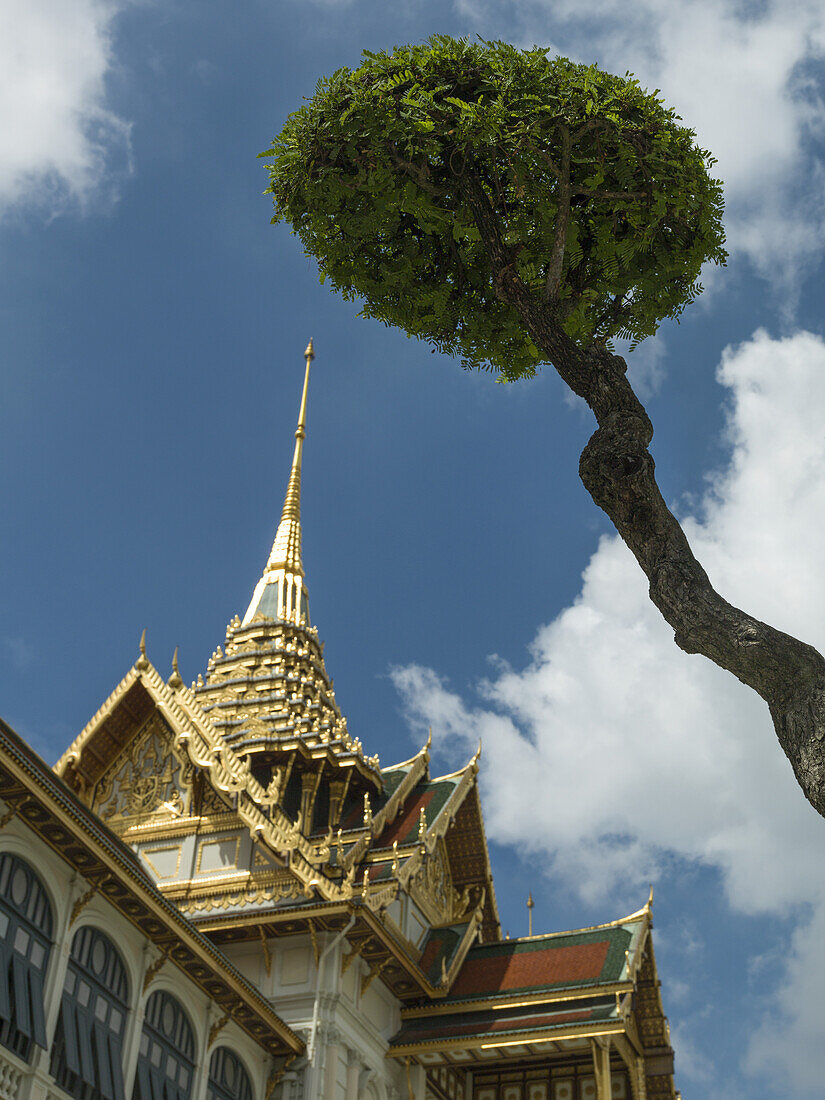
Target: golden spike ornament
(142, 661)
(175, 681)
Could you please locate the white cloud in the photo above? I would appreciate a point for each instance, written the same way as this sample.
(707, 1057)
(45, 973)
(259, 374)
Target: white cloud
(742, 75)
(59, 140)
(653, 754)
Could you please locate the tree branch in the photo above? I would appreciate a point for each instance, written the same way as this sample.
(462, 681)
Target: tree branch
(554, 269)
(618, 471)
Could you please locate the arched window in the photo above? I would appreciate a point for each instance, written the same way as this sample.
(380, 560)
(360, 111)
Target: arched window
(166, 1062)
(25, 944)
(228, 1080)
(87, 1055)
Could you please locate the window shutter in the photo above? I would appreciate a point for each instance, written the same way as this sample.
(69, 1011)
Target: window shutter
(36, 1006)
(71, 1050)
(115, 1055)
(83, 1019)
(22, 1001)
(104, 1073)
(144, 1090)
(5, 999)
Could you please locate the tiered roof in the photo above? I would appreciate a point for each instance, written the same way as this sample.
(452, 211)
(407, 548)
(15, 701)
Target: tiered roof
(325, 840)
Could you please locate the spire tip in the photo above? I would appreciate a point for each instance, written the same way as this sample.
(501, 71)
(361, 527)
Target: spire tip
(310, 351)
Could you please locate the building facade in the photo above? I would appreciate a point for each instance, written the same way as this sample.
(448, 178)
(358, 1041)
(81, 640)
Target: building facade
(264, 911)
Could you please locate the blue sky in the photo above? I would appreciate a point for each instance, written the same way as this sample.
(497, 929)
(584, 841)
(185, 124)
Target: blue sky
(152, 325)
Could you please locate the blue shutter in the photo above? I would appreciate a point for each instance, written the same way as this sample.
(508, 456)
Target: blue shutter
(83, 1020)
(36, 1006)
(115, 1055)
(22, 1001)
(104, 1073)
(5, 999)
(71, 1052)
(144, 1091)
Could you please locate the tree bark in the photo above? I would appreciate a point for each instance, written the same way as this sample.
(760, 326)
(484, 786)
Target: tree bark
(618, 471)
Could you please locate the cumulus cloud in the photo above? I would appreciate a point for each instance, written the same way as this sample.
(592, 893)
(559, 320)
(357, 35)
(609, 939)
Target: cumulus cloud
(608, 707)
(60, 143)
(745, 76)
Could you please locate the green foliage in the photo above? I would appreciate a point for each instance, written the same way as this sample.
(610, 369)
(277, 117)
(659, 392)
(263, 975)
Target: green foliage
(373, 174)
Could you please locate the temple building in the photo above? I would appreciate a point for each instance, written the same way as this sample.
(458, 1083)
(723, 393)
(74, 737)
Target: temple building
(219, 894)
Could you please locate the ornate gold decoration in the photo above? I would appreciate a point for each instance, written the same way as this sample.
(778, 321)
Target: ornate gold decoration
(277, 1075)
(378, 900)
(316, 947)
(267, 952)
(349, 958)
(367, 812)
(217, 1028)
(153, 968)
(8, 815)
(142, 661)
(213, 900)
(373, 973)
(81, 903)
(148, 781)
(175, 681)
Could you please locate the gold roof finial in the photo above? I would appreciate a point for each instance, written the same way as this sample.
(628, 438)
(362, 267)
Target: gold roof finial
(531, 905)
(281, 592)
(175, 680)
(142, 661)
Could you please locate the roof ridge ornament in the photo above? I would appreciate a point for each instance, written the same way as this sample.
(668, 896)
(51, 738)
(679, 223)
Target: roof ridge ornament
(175, 681)
(142, 661)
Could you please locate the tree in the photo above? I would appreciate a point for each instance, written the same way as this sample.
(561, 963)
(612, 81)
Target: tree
(517, 210)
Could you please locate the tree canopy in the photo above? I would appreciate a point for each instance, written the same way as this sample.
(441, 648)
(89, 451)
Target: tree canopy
(606, 206)
(517, 209)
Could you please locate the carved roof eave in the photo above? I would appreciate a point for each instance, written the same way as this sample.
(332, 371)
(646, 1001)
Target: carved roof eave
(418, 769)
(369, 918)
(52, 810)
(488, 870)
(597, 1029)
(325, 752)
(440, 826)
(75, 750)
(423, 752)
(194, 734)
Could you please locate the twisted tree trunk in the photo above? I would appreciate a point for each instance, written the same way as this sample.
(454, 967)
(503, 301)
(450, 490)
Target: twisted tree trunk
(618, 471)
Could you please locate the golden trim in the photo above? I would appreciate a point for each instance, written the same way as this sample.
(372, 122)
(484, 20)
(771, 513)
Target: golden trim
(81, 903)
(217, 1028)
(147, 852)
(373, 973)
(548, 1039)
(152, 969)
(266, 950)
(316, 947)
(546, 997)
(204, 844)
(531, 1038)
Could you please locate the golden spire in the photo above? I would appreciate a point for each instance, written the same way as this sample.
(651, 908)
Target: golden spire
(281, 592)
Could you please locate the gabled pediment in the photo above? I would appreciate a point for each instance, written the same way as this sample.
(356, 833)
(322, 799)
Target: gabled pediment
(152, 765)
